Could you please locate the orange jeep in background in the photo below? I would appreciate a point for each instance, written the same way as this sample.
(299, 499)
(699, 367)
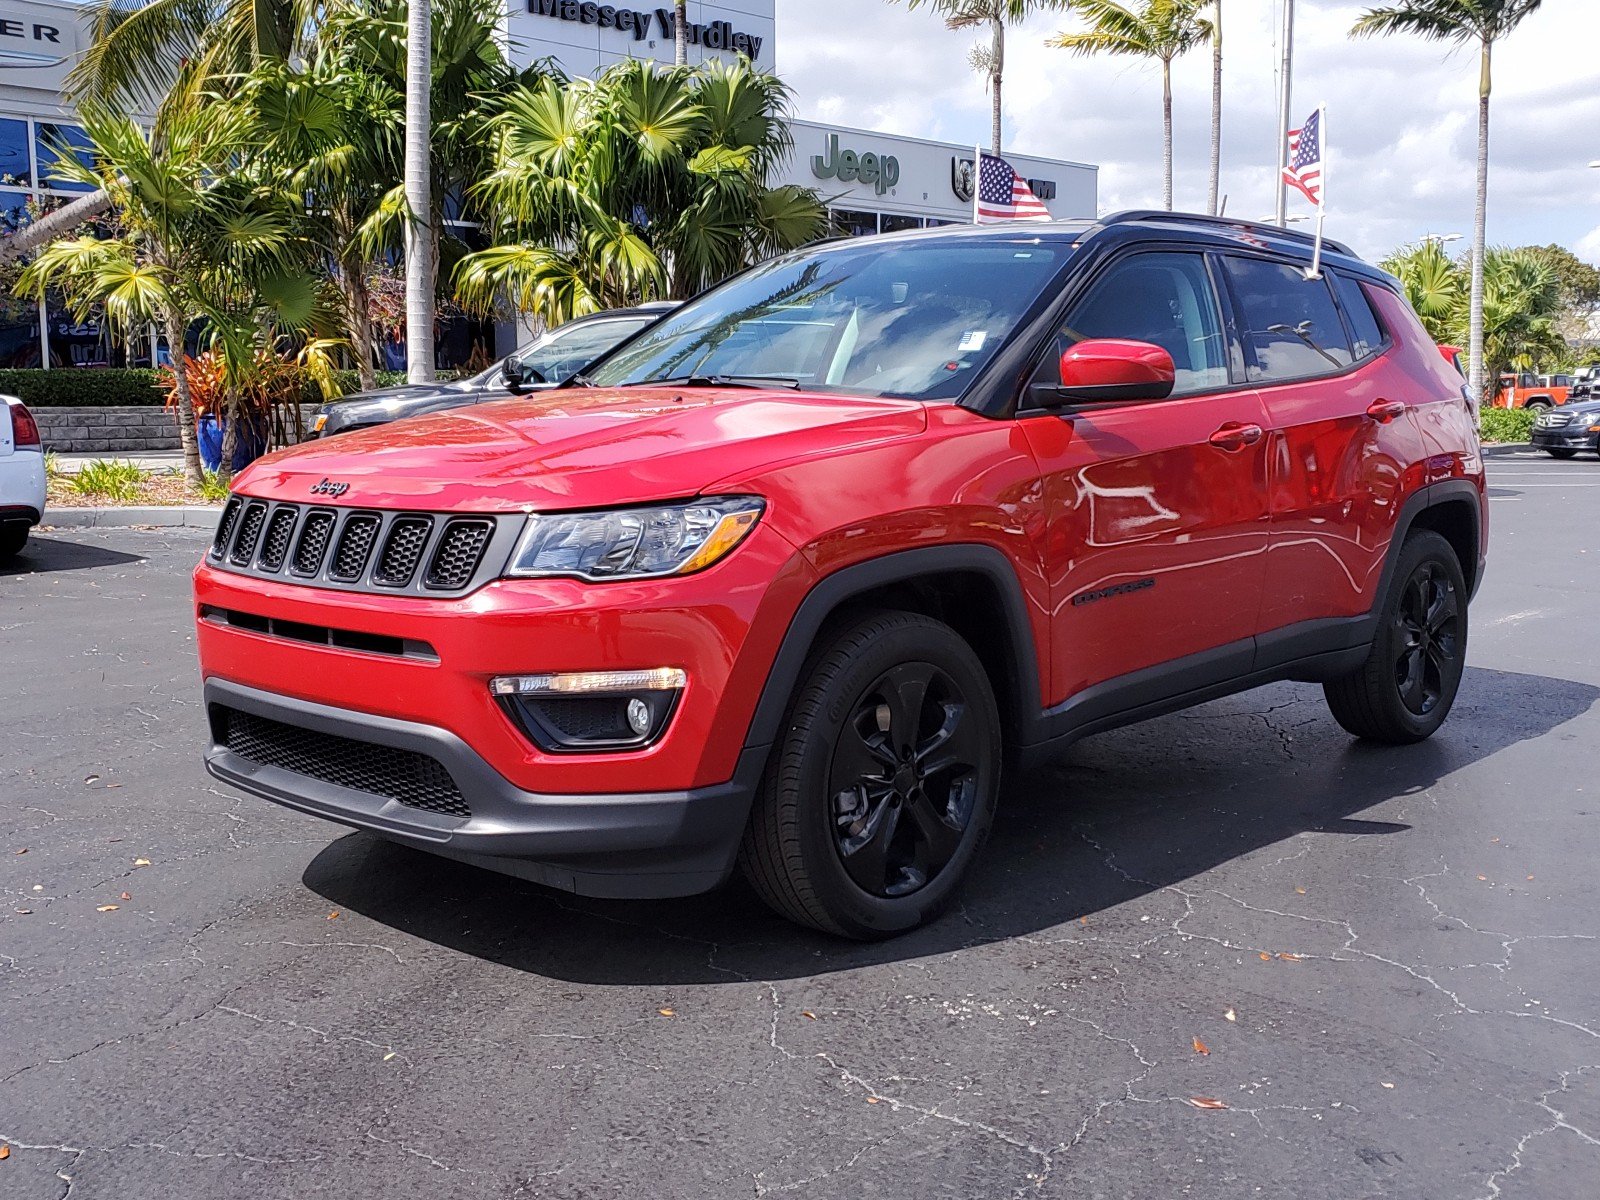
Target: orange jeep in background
(1527, 390)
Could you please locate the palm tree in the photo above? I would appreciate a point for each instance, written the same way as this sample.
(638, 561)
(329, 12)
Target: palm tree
(1159, 29)
(1434, 286)
(680, 32)
(420, 279)
(638, 184)
(1461, 22)
(1214, 184)
(990, 61)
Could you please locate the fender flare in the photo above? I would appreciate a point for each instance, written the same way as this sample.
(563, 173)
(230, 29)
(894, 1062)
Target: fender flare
(843, 585)
(1434, 495)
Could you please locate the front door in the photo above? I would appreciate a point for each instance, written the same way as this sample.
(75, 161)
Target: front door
(1157, 510)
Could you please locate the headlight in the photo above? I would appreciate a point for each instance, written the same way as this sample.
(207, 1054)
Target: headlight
(635, 543)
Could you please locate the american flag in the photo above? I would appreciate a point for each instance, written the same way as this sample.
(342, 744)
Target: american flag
(1305, 159)
(1003, 195)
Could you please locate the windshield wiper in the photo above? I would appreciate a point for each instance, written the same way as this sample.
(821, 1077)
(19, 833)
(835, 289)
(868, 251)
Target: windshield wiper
(720, 381)
(579, 379)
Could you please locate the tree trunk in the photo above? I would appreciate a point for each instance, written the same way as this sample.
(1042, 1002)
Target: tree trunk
(187, 438)
(1214, 184)
(1475, 372)
(1166, 131)
(358, 310)
(53, 224)
(419, 194)
(997, 70)
(680, 33)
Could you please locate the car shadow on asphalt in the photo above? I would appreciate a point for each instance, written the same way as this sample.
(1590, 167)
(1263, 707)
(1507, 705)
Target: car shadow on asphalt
(43, 555)
(1122, 815)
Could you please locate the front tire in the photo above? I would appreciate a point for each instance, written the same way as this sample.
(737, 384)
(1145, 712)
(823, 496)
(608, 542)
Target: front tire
(884, 787)
(12, 540)
(1563, 453)
(1403, 691)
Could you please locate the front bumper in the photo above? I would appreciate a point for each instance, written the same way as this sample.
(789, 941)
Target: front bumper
(632, 845)
(1565, 438)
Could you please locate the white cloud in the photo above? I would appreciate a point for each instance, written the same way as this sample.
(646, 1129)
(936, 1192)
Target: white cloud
(1402, 113)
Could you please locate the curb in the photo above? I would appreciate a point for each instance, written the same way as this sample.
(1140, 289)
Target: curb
(1504, 449)
(163, 517)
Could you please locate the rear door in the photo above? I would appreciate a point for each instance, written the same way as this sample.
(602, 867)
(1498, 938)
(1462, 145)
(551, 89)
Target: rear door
(1157, 511)
(1342, 441)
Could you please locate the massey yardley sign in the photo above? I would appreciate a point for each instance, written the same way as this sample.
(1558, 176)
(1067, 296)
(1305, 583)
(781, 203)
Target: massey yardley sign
(716, 35)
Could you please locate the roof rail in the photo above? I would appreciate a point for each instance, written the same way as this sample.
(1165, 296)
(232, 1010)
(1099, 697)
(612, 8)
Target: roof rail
(1186, 218)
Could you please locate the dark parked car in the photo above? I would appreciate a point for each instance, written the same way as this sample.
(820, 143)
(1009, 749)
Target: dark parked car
(551, 359)
(1562, 432)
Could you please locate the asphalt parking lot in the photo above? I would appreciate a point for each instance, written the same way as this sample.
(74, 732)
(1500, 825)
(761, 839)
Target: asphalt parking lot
(1229, 953)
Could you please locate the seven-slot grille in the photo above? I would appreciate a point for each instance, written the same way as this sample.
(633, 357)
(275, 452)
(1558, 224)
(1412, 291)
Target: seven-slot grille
(357, 549)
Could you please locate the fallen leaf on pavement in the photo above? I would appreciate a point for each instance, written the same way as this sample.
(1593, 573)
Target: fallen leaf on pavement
(1265, 957)
(5, 1151)
(388, 1056)
(1230, 1015)
(1494, 839)
(141, 862)
(1200, 1047)
(112, 785)
(24, 850)
(1083, 920)
(808, 1014)
(1530, 877)
(125, 896)
(1289, 957)
(23, 912)
(1206, 1102)
(1300, 891)
(90, 778)
(334, 915)
(1390, 1086)
(108, 908)
(667, 1012)
(872, 1100)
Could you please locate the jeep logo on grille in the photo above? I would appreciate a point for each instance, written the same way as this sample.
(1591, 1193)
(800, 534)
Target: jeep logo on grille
(329, 488)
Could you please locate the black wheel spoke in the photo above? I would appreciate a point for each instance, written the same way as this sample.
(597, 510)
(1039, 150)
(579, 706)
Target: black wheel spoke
(1426, 646)
(937, 832)
(907, 693)
(866, 854)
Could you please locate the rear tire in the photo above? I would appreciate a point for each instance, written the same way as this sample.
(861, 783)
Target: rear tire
(12, 539)
(1562, 453)
(1403, 691)
(884, 786)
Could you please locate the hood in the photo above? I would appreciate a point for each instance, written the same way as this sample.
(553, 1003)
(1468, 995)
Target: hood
(399, 391)
(579, 448)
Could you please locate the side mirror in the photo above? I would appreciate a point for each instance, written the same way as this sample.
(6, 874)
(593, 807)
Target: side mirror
(511, 371)
(1110, 371)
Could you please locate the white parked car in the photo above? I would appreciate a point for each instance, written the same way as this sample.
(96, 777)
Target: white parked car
(22, 485)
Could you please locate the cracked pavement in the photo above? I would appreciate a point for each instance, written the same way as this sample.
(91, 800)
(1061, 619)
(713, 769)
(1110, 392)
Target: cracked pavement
(1390, 956)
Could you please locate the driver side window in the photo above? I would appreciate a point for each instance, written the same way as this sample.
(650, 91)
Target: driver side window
(1166, 300)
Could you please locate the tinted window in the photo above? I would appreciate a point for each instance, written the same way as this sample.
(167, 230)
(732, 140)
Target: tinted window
(916, 318)
(1363, 321)
(1164, 299)
(1290, 327)
(14, 167)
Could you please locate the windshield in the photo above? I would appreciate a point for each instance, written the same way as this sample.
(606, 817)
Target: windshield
(561, 353)
(913, 318)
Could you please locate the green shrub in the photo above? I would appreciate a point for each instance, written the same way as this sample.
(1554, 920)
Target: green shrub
(109, 478)
(1506, 424)
(213, 488)
(67, 387)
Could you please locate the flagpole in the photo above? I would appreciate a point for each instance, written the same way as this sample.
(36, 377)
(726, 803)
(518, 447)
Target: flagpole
(977, 180)
(1322, 195)
(1283, 111)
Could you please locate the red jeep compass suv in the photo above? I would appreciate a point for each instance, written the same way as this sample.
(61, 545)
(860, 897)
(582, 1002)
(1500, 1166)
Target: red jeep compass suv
(779, 583)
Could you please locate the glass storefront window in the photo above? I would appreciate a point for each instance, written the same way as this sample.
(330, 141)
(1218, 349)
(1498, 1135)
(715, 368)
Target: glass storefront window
(47, 139)
(853, 224)
(75, 343)
(893, 223)
(13, 210)
(19, 332)
(16, 170)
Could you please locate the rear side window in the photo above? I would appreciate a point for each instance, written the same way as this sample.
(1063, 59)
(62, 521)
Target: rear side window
(1363, 321)
(1290, 326)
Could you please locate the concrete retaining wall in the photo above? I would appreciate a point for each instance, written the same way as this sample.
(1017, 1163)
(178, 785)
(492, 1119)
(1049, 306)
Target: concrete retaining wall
(112, 431)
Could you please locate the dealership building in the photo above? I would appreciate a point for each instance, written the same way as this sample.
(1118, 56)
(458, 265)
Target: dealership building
(871, 182)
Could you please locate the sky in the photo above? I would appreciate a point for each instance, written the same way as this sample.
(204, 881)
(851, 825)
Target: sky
(1402, 113)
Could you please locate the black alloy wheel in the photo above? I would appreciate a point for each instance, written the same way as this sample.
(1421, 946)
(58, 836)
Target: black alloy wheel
(904, 779)
(882, 788)
(1402, 691)
(1429, 638)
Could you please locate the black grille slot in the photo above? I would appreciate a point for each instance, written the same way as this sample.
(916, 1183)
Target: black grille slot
(402, 551)
(355, 546)
(321, 635)
(230, 518)
(459, 552)
(415, 780)
(244, 546)
(275, 546)
(313, 543)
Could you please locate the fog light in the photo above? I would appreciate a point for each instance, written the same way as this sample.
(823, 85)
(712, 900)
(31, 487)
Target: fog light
(591, 711)
(639, 717)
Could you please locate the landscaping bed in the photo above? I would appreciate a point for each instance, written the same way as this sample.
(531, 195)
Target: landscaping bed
(112, 483)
